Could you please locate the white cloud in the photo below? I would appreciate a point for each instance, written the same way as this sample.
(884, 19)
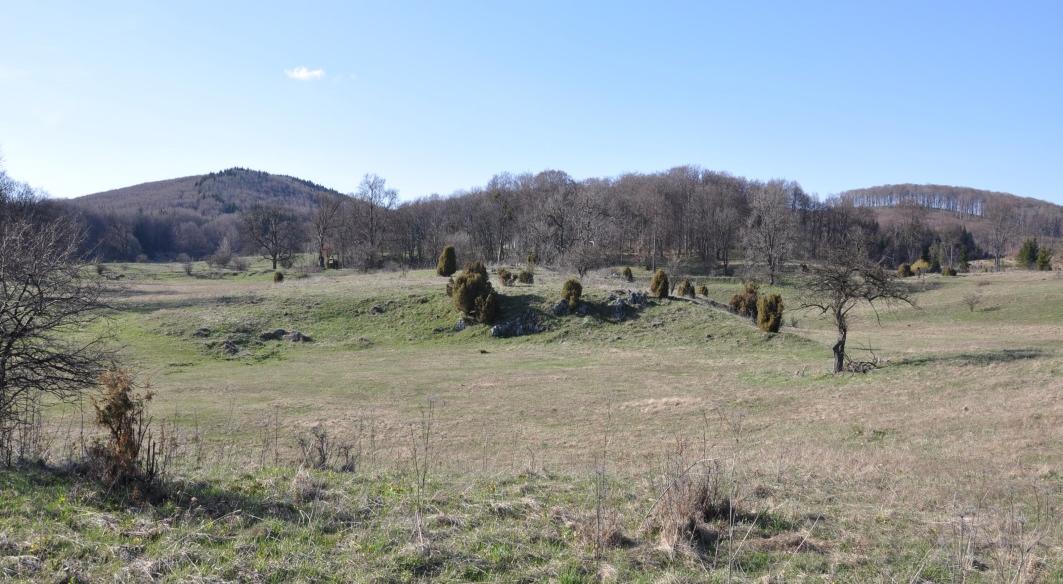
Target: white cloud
(305, 74)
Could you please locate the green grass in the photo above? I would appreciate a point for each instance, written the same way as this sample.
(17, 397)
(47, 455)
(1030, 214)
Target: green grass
(870, 471)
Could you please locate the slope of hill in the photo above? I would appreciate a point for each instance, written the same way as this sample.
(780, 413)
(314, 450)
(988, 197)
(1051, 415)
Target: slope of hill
(957, 205)
(208, 195)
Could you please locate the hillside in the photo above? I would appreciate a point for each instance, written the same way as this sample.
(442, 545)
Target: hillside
(957, 205)
(208, 195)
(704, 209)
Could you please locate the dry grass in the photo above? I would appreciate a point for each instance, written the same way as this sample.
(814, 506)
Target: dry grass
(946, 462)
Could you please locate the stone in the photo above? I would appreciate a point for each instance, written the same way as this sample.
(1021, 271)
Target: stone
(377, 309)
(274, 335)
(460, 325)
(230, 348)
(297, 337)
(529, 323)
(201, 332)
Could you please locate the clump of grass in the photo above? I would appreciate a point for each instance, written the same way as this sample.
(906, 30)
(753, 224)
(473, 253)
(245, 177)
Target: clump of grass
(526, 277)
(278, 277)
(627, 274)
(693, 499)
(703, 290)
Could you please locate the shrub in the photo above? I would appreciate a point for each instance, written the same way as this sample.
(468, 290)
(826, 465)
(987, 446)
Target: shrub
(627, 274)
(526, 277)
(1044, 259)
(685, 288)
(972, 300)
(769, 313)
(659, 284)
(221, 256)
(905, 270)
(703, 290)
(278, 277)
(506, 277)
(533, 259)
(187, 267)
(946, 271)
(122, 411)
(1028, 253)
(448, 262)
(921, 266)
(239, 264)
(571, 292)
(473, 294)
(745, 302)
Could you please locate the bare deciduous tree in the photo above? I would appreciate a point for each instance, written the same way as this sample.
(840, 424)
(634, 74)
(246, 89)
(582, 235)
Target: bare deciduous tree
(770, 231)
(844, 282)
(274, 231)
(45, 295)
(324, 223)
(1002, 222)
(378, 199)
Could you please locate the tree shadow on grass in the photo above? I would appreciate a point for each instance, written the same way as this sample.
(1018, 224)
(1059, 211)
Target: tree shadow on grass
(159, 499)
(971, 358)
(515, 303)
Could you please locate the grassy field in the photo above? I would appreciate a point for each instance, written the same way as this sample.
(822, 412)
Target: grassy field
(546, 457)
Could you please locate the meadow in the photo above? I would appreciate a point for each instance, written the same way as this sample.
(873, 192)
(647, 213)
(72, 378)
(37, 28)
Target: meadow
(395, 448)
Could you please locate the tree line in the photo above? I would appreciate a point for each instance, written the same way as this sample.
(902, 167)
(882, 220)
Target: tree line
(686, 214)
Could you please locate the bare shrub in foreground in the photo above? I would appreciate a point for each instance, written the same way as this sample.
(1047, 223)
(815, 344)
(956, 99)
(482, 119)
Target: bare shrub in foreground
(122, 410)
(45, 293)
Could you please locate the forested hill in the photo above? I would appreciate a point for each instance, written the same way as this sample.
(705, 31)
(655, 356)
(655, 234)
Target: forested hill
(965, 200)
(685, 212)
(964, 205)
(208, 196)
(191, 215)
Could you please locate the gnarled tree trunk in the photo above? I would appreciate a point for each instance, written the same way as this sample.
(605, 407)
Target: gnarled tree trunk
(839, 346)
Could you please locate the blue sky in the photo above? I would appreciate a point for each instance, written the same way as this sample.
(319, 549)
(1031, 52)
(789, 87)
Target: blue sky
(439, 96)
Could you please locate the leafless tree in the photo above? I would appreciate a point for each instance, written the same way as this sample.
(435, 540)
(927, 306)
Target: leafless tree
(274, 231)
(844, 282)
(324, 222)
(972, 300)
(45, 294)
(378, 199)
(1002, 223)
(769, 234)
